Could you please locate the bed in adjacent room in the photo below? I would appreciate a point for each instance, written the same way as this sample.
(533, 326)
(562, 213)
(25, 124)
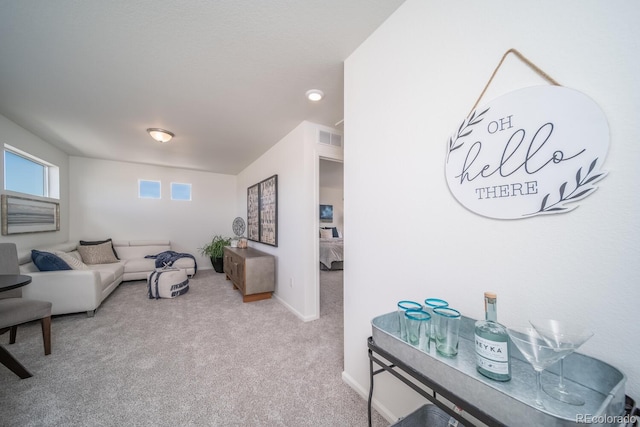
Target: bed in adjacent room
(331, 250)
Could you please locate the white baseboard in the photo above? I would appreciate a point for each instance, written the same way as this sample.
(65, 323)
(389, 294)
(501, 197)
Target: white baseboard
(293, 310)
(364, 392)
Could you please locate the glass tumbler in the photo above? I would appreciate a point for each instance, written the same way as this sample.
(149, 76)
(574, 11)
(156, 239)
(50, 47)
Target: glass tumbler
(418, 322)
(429, 305)
(447, 329)
(402, 307)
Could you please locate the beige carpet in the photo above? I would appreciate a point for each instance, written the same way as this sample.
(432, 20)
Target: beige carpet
(203, 359)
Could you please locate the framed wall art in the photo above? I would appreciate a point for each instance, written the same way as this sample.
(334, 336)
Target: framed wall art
(253, 214)
(262, 211)
(26, 215)
(269, 211)
(326, 213)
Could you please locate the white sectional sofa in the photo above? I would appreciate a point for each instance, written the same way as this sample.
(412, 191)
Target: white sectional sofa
(137, 267)
(73, 291)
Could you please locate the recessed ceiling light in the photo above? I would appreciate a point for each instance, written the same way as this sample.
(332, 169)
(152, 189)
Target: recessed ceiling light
(160, 135)
(315, 95)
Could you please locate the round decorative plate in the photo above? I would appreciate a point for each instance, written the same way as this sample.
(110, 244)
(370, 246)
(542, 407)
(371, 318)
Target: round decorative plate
(238, 226)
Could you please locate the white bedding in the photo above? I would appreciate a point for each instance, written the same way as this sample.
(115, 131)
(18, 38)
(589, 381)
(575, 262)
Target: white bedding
(331, 250)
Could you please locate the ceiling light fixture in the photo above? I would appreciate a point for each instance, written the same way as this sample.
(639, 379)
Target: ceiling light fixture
(160, 135)
(315, 95)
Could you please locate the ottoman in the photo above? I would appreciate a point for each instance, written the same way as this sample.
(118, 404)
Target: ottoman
(167, 283)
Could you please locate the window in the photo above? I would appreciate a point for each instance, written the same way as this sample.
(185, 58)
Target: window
(180, 191)
(24, 173)
(148, 189)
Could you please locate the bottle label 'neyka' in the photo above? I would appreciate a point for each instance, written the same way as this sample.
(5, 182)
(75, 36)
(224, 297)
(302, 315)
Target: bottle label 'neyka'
(492, 356)
(492, 350)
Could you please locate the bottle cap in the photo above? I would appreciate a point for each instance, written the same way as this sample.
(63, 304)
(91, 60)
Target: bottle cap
(490, 295)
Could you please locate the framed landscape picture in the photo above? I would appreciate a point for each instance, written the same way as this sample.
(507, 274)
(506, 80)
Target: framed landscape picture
(25, 215)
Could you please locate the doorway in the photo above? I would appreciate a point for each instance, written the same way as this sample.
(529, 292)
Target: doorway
(331, 247)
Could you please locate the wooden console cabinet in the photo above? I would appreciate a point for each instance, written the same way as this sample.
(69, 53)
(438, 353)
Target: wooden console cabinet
(251, 271)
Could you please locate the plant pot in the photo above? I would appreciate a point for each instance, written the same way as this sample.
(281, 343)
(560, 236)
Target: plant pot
(218, 264)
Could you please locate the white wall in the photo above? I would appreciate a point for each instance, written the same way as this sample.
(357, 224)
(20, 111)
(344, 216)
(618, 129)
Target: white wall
(104, 203)
(290, 159)
(295, 159)
(406, 90)
(18, 137)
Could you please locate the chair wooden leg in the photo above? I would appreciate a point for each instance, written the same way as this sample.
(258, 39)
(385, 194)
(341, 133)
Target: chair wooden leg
(12, 334)
(10, 362)
(46, 334)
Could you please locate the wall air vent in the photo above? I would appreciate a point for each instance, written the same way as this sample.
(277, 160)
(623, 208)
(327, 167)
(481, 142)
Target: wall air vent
(328, 138)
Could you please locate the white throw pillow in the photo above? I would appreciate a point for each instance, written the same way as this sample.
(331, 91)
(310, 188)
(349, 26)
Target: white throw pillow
(73, 262)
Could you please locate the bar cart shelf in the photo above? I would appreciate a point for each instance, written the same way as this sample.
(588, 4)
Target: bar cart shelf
(491, 402)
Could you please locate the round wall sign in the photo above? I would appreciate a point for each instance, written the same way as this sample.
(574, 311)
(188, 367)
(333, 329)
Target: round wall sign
(530, 152)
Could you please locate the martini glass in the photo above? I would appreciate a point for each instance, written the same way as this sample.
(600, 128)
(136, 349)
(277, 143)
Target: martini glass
(565, 338)
(537, 352)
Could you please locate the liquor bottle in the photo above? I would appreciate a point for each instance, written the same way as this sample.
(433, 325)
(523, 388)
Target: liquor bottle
(492, 343)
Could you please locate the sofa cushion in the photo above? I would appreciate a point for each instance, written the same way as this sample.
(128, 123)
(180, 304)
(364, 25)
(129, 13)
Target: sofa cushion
(99, 242)
(108, 272)
(46, 261)
(135, 265)
(97, 254)
(135, 252)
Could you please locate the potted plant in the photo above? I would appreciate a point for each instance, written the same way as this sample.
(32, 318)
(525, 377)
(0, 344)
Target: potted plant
(215, 251)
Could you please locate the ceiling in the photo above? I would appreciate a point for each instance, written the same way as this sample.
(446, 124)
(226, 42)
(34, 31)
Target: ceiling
(227, 77)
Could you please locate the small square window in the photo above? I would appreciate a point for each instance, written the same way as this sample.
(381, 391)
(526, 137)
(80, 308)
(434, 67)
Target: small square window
(148, 189)
(180, 191)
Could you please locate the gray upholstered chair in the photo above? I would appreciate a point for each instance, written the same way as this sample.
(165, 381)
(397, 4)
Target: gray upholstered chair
(15, 310)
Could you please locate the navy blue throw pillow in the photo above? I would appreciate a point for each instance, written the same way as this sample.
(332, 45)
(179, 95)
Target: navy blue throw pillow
(46, 261)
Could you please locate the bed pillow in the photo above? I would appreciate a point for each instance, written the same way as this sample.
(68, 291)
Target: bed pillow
(334, 232)
(97, 254)
(73, 262)
(99, 242)
(46, 261)
(326, 233)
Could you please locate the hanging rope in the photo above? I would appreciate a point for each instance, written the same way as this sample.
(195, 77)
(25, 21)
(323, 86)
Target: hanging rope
(523, 59)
